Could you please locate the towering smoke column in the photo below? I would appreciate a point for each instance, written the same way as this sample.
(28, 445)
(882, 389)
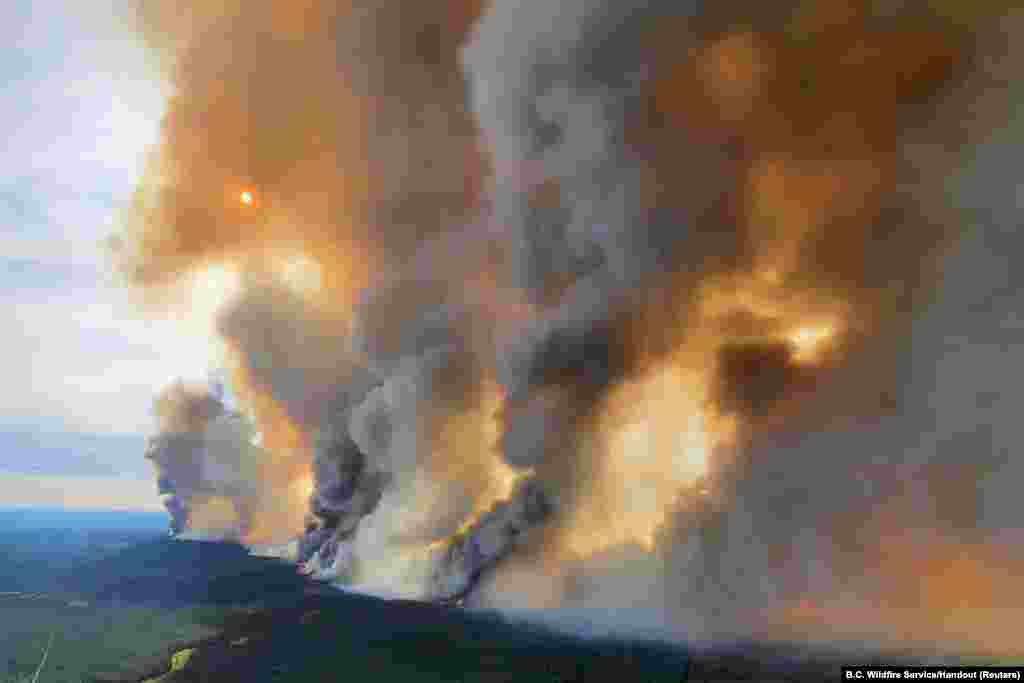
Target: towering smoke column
(217, 480)
(655, 306)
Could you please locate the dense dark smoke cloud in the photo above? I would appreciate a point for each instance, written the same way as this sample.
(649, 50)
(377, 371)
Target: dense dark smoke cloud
(204, 457)
(643, 306)
(870, 510)
(786, 169)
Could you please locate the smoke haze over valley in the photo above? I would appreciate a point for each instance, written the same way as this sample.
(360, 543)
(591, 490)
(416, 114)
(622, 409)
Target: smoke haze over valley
(684, 319)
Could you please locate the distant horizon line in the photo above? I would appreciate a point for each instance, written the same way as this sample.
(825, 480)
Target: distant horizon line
(79, 508)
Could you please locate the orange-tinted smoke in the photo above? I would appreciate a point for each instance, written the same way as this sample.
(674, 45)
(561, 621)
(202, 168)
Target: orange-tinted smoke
(789, 142)
(285, 472)
(925, 589)
(781, 143)
(333, 119)
(802, 121)
(320, 131)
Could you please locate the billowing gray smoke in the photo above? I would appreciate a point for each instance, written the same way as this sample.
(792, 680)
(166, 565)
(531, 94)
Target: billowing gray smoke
(204, 455)
(662, 310)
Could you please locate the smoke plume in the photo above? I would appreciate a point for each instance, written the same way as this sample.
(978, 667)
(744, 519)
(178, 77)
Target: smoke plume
(698, 315)
(217, 480)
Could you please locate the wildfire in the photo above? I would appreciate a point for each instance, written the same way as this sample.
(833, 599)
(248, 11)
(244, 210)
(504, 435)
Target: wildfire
(809, 341)
(305, 486)
(808, 322)
(215, 515)
(280, 435)
(278, 432)
(504, 480)
(500, 479)
(657, 434)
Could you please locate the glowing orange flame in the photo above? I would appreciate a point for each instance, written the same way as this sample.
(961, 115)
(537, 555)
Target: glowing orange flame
(500, 479)
(810, 323)
(285, 443)
(809, 341)
(305, 487)
(658, 435)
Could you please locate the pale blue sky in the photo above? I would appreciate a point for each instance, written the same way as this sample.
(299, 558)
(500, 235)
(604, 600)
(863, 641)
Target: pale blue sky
(81, 104)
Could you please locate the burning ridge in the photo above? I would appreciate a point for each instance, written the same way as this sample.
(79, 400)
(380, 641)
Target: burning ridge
(623, 305)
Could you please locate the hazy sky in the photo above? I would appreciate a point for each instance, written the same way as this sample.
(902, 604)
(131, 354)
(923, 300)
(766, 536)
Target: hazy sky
(81, 106)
